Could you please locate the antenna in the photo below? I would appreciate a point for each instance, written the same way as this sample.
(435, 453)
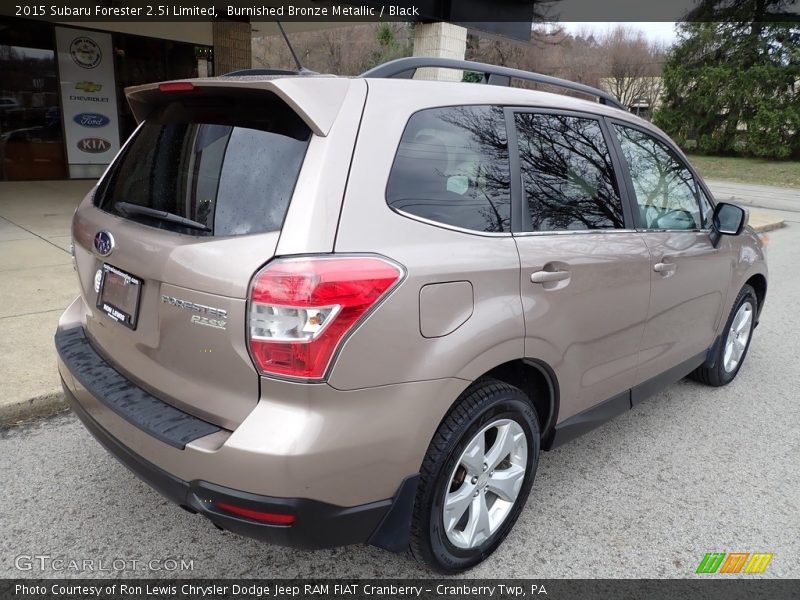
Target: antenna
(300, 67)
(301, 70)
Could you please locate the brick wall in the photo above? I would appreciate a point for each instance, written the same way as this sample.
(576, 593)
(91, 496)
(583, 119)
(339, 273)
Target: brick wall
(232, 50)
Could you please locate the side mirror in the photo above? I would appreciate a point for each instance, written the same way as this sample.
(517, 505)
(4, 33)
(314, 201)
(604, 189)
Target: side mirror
(728, 219)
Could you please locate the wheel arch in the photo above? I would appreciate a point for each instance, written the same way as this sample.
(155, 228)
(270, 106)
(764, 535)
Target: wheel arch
(537, 380)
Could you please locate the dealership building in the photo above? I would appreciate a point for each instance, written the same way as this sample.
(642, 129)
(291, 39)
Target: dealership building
(63, 112)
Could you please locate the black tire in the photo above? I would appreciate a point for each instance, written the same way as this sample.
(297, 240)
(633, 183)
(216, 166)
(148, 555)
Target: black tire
(484, 402)
(713, 371)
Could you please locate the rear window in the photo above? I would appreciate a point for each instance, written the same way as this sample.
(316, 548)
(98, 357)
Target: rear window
(452, 167)
(227, 164)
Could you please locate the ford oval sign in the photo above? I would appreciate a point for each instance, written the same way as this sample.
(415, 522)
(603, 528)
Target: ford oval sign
(91, 120)
(94, 145)
(104, 243)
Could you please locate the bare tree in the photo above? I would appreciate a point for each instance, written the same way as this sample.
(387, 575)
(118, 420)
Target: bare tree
(346, 50)
(632, 66)
(622, 61)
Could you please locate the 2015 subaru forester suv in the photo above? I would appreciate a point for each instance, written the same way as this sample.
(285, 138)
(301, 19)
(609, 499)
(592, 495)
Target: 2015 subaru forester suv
(323, 311)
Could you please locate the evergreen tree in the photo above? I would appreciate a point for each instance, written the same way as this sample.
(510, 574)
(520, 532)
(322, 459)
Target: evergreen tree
(389, 45)
(732, 82)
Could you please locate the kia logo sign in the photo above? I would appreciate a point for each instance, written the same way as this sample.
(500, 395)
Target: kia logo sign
(94, 145)
(91, 120)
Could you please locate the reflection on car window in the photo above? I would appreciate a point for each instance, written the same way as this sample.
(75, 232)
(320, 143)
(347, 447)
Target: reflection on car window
(664, 186)
(706, 208)
(567, 173)
(452, 167)
(228, 166)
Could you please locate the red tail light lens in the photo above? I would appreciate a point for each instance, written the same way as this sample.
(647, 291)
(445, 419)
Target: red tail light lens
(256, 515)
(176, 86)
(302, 308)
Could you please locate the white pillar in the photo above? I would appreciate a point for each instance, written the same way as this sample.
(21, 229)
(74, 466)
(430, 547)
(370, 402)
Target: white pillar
(443, 40)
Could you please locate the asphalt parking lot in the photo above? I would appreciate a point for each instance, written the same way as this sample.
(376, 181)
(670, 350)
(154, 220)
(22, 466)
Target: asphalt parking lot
(690, 471)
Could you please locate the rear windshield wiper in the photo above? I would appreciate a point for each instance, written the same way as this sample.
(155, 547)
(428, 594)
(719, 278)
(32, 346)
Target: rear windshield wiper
(137, 209)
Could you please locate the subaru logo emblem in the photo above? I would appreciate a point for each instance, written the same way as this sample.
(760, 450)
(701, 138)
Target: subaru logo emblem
(104, 243)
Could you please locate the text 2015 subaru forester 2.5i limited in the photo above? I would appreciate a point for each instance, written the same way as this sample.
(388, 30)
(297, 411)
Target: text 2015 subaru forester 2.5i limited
(324, 311)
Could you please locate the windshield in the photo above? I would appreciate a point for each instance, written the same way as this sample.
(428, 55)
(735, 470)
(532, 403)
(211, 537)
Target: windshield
(228, 164)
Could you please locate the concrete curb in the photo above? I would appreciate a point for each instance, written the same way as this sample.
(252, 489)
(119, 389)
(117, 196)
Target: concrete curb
(25, 410)
(763, 228)
(762, 221)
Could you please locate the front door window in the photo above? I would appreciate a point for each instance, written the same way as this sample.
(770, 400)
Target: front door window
(663, 185)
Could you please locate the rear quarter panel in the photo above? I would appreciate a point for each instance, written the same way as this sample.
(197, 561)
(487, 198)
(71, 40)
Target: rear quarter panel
(389, 346)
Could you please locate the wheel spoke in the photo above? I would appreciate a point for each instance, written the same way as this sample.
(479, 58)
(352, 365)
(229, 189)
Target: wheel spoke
(738, 350)
(727, 359)
(737, 321)
(456, 504)
(474, 456)
(506, 483)
(743, 320)
(503, 445)
(478, 528)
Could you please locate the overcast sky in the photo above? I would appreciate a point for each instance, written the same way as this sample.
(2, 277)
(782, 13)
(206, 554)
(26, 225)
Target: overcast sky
(664, 32)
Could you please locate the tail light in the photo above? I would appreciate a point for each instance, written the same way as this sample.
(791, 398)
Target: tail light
(301, 309)
(176, 86)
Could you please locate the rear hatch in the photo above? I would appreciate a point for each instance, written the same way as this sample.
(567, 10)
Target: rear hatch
(166, 248)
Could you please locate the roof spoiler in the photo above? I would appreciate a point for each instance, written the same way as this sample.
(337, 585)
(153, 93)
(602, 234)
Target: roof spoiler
(317, 100)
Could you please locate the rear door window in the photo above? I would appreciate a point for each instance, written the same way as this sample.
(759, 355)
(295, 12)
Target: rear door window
(706, 207)
(452, 168)
(230, 166)
(567, 175)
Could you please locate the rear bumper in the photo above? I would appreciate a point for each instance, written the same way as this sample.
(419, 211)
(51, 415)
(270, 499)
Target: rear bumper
(317, 525)
(335, 455)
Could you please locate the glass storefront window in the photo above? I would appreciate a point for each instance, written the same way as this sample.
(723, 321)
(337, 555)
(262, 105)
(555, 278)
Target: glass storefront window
(32, 118)
(139, 60)
(31, 144)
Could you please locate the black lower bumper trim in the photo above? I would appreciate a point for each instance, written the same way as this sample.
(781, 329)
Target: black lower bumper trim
(140, 408)
(318, 524)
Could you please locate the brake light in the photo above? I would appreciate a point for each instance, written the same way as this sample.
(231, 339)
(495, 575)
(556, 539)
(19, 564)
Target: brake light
(176, 86)
(302, 308)
(257, 515)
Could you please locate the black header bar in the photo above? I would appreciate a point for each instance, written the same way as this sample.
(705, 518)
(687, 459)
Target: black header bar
(737, 587)
(489, 13)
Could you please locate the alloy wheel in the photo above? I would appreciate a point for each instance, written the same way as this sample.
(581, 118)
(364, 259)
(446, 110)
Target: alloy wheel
(485, 483)
(738, 336)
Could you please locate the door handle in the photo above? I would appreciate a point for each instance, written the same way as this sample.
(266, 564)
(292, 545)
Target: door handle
(662, 267)
(548, 276)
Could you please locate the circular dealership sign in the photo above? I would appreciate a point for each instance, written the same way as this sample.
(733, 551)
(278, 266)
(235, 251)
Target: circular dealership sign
(85, 52)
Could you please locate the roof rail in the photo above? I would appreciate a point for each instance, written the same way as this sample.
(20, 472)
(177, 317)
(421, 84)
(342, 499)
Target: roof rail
(405, 68)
